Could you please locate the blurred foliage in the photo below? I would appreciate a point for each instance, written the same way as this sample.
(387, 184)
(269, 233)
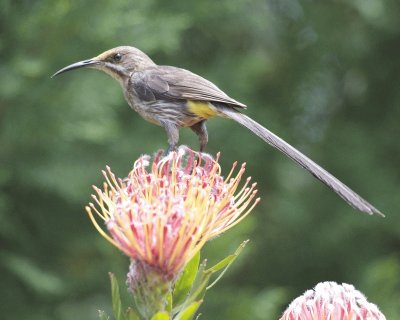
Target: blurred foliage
(325, 75)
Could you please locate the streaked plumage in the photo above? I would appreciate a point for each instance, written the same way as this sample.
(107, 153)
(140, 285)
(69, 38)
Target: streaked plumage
(174, 98)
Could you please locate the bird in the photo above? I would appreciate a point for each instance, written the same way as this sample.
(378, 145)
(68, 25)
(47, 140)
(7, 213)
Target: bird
(175, 98)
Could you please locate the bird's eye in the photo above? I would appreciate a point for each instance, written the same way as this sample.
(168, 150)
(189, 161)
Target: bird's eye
(117, 57)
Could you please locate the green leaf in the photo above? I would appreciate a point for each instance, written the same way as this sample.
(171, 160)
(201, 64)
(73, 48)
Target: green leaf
(199, 285)
(103, 315)
(199, 277)
(162, 315)
(116, 300)
(200, 291)
(188, 312)
(221, 264)
(225, 263)
(131, 315)
(168, 306)
(185, 281)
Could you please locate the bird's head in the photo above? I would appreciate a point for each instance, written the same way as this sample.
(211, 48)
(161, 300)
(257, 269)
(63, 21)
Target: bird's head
(118, 62)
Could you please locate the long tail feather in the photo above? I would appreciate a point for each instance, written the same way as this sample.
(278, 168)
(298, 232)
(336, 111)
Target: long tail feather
(321, 174)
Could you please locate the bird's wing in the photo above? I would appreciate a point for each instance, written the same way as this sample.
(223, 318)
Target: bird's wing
(165, 82)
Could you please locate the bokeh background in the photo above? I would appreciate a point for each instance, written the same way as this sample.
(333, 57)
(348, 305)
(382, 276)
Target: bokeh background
(324, 75)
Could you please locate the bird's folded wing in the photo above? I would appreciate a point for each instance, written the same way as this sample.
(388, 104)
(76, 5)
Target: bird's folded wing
(168, 83)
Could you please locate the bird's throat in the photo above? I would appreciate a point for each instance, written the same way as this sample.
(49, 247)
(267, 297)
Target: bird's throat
(117, 72)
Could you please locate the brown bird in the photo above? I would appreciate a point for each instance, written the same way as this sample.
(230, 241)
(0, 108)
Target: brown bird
(174, 98)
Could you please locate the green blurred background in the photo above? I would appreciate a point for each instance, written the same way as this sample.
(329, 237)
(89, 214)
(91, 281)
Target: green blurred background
(324, 75)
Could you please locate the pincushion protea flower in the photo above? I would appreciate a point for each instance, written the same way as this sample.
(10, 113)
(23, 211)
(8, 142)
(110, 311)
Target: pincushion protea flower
(164, 212)
(331, 301)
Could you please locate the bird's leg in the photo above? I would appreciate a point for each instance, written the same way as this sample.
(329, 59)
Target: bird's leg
(172, 134)
(201, 130)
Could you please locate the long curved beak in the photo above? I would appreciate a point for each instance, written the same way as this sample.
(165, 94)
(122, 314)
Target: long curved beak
(77, 65)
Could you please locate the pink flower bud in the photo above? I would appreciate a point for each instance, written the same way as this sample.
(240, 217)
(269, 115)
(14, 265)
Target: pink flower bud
(331, 301)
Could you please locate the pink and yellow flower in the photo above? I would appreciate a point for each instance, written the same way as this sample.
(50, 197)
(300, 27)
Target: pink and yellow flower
(163, 212)
(331, 301)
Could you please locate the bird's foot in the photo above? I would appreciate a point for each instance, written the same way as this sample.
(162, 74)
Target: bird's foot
(170, 149)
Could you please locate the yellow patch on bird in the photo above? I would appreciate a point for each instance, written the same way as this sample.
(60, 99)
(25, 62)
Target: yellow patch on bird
(202, 109)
